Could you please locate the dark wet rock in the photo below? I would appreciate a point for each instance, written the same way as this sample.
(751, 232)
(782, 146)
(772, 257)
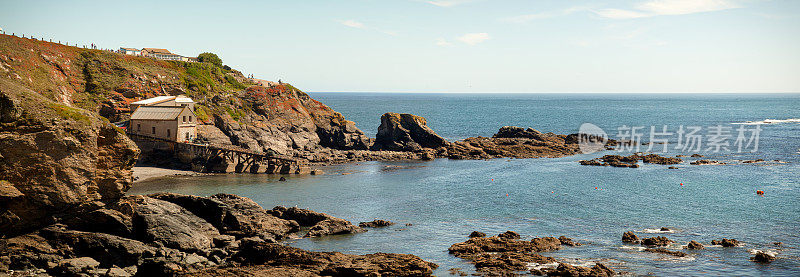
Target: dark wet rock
(665, 251)
(657, 241)
(331, 263)
(592, 162)
(563, 269)
(321, 224)
(630, 237)
(518, 132)
(706, 162)
(509, 235)
(694, 245)
(763, 257)
(673, 167)
(406, 132)
(697, 156)
(567, 241)
(753, 161)
(508, 261)
(103, 221)
(375, 224)
(726, 242)
(656, 159)
(234, 215)
(171, 225)
(476, 234)
(282, 179)
(665, 229)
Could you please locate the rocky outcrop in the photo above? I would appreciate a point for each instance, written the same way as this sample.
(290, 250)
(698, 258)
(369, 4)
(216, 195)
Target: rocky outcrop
(81, 161)
(693, 245)
(512, 142)
(518, 132)
(630, 237)
(406, 132)
(375, 223)
(234, 215)
(763, 257)
(505, 254)
(657, 241)
(726, 242)
(321, 224)
(630, 161)
(666, 252)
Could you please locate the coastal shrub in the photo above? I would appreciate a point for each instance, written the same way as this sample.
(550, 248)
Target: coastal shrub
(211, 58)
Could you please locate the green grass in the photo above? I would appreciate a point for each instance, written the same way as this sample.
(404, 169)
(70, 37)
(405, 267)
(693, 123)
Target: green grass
(70, 113)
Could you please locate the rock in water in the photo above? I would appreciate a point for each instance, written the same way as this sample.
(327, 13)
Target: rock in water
(518, 132)
(321, 224)
(55, 159)
(763, 257)
(726, 242)
(509, 235)
(694, 245)
(476, 234)
(375, 224)
(406, 132)
(657, 241)
(630, 237)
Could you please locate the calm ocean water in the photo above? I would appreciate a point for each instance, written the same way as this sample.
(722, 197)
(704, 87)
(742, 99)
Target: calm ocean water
(445, 200)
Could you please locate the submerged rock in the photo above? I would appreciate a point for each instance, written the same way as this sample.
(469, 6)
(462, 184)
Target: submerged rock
(665, 251)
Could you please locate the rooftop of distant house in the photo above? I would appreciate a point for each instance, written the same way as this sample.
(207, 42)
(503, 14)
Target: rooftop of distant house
(160, 99)
(157, 50)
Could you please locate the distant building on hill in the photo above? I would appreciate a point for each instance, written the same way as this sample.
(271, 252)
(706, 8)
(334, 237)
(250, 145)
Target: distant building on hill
(167, 117)
(161, 54)
(130, 51)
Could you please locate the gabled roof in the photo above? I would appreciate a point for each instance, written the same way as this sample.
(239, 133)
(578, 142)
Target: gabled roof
(157, 50)
(129, 49)
(157, 113)
(154, 100)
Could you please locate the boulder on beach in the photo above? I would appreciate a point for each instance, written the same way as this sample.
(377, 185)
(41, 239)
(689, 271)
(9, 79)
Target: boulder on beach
(406, 132)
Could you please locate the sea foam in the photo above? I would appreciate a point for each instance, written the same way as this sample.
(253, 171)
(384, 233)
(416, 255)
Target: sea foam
(770, 121)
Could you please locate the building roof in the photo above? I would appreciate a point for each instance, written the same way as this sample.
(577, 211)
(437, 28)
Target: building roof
(129, 49)
(154, 100)
(183, 99)
(157, 50)
(157, 113)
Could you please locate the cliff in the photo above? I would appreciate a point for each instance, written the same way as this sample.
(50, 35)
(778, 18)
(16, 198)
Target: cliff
(56, 159)
(237, 110)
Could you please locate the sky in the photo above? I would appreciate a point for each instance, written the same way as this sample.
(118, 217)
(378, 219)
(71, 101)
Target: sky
(454, 45)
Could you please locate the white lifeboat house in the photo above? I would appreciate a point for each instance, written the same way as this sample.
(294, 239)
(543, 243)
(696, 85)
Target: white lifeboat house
(167, 117)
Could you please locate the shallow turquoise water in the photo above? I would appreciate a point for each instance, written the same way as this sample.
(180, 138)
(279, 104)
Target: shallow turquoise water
(445, 200)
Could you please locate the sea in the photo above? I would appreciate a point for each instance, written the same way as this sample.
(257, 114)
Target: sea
(438, 203)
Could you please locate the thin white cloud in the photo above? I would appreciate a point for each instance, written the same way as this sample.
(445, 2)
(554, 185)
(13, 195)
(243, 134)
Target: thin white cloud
(620, 14)
(544, 15)
(668, 7)
(474, 38)
(447, 3)
(443, 42)
(353, 24)
(671, 7)
(358, 25)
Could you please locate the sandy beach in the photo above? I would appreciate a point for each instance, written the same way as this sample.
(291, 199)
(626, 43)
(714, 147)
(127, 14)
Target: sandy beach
(143, 173)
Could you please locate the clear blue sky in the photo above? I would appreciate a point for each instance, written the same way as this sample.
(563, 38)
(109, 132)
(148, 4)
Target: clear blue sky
(455, 45)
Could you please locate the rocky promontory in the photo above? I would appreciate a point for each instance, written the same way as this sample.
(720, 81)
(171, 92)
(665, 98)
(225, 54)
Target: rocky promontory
(63, 175)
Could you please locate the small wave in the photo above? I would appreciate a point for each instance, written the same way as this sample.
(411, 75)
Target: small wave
(539, 266)
(657, 231)
(637, 248)
(583, 264)
(771, 252)
(770, 121)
